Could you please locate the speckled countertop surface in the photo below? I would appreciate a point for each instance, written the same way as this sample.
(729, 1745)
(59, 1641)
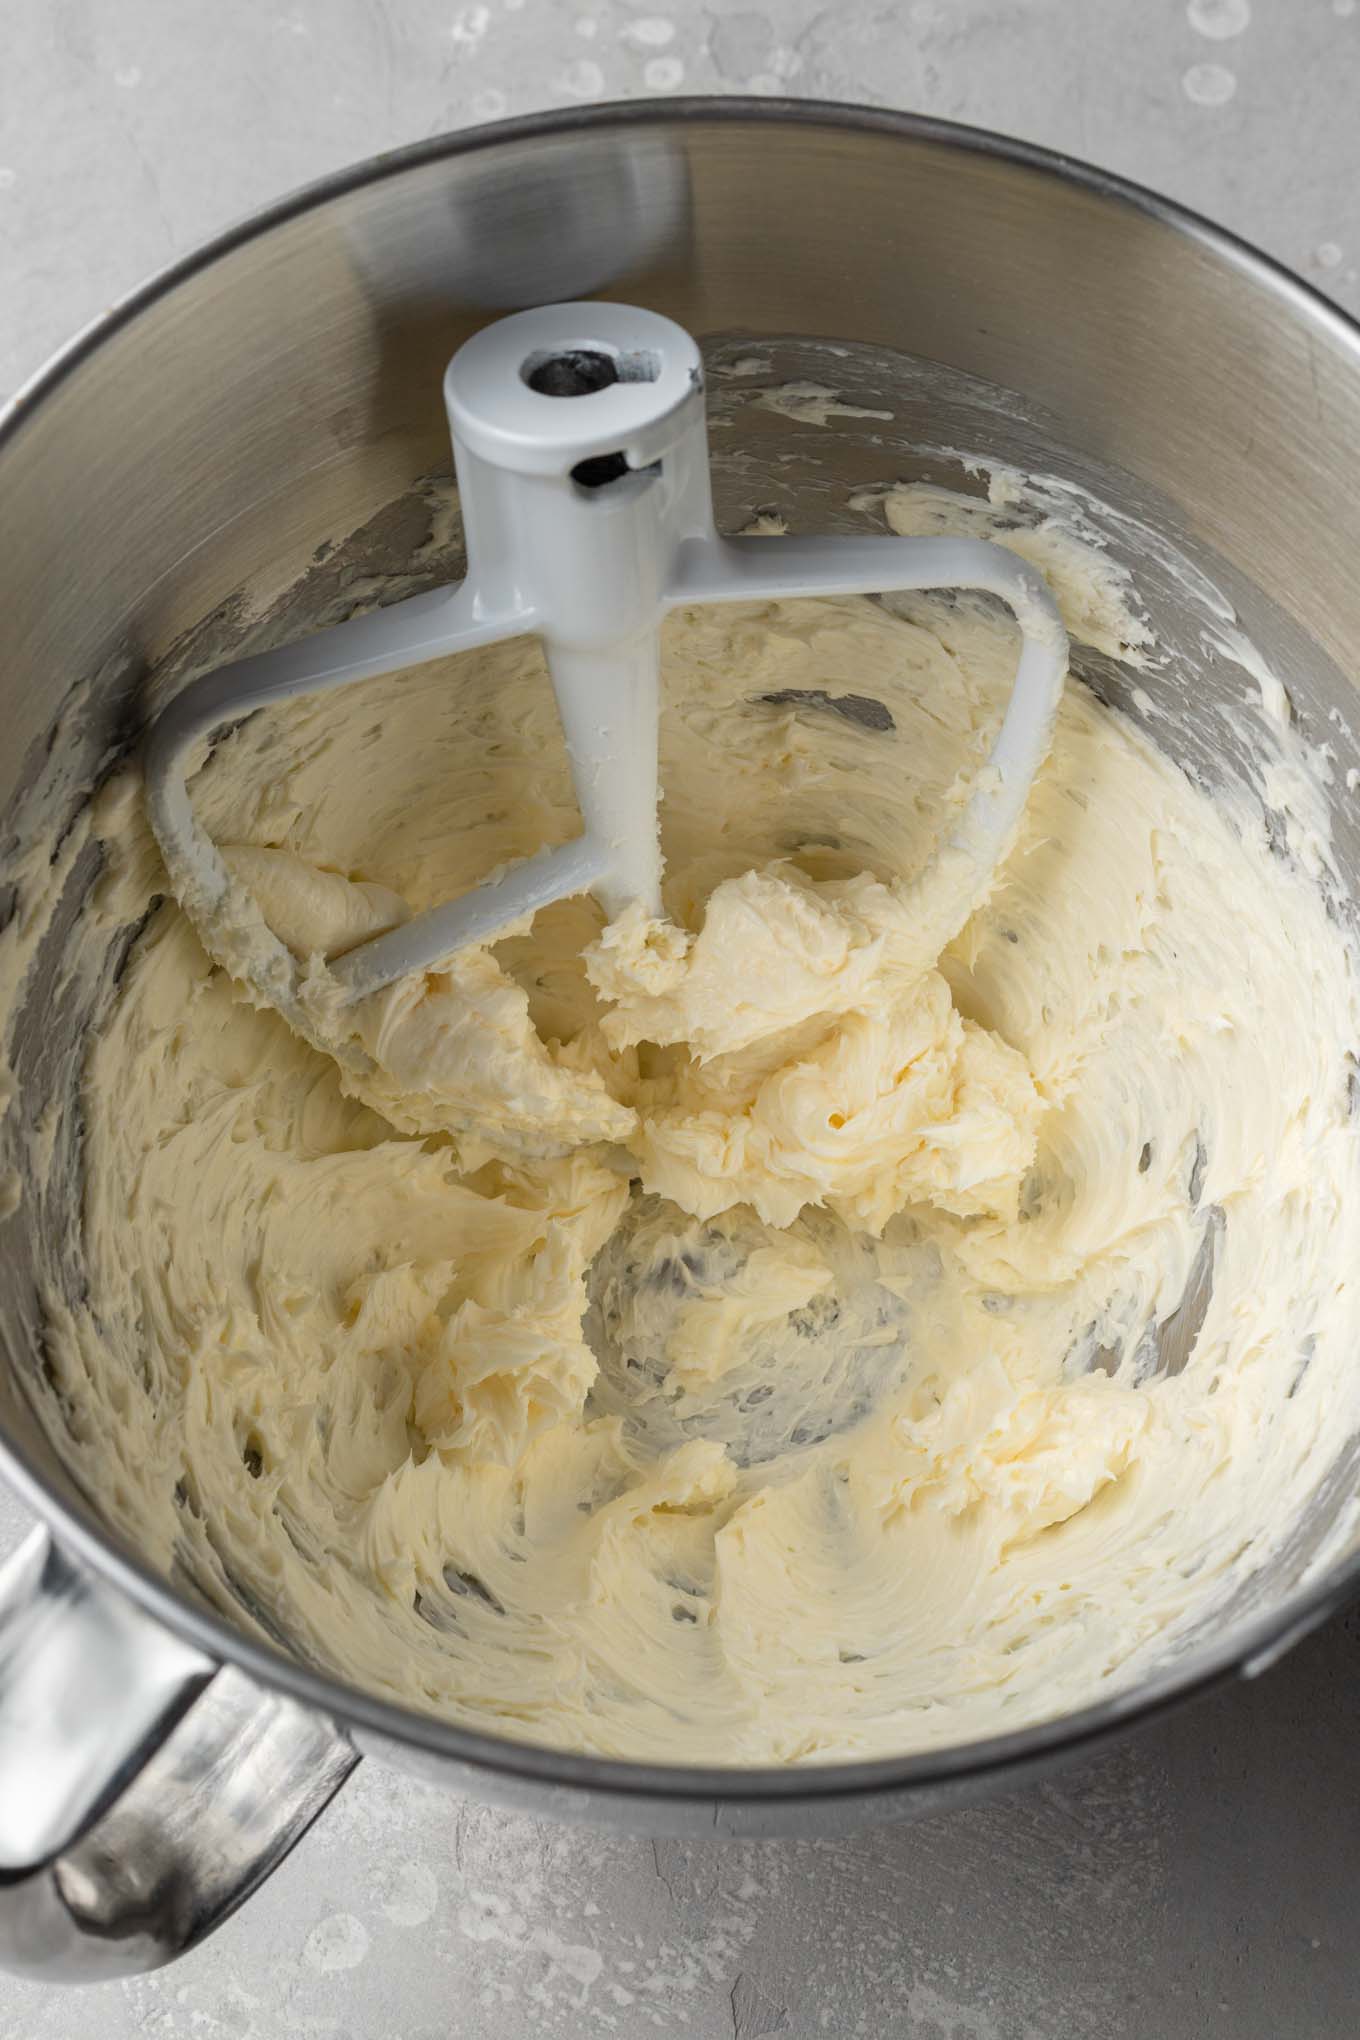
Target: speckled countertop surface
(1203, 1877)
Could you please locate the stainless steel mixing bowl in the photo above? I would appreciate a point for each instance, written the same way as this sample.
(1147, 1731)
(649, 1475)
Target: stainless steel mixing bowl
(266, 412)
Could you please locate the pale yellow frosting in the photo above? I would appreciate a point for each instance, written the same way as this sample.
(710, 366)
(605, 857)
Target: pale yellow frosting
(731, 1337)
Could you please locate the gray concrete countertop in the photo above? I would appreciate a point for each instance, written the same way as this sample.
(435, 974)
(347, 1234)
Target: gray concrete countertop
(1201, 1878)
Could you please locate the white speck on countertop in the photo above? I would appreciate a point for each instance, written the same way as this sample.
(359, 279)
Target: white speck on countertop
(470, 24)
(1209, 84)
(1219, 20)
(340, 1942)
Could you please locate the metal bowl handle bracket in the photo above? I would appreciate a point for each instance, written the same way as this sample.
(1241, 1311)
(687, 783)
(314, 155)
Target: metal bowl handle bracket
(145, 1791)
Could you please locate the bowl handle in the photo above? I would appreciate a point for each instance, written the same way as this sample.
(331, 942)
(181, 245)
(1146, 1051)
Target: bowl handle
(144, 1790)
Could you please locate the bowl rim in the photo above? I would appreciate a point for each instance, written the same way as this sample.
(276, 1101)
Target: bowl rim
(1249, 1649)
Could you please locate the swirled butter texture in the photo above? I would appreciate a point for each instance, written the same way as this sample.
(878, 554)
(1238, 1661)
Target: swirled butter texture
(743, 1336)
